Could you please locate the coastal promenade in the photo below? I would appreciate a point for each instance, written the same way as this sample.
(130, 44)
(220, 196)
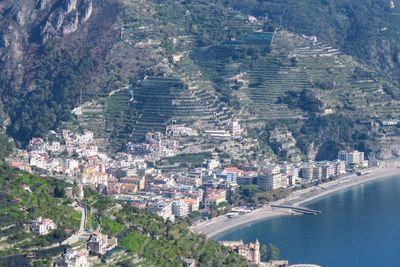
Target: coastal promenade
(220, 224)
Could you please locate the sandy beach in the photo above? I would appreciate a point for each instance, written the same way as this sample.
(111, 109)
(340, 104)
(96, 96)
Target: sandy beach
(220, 224)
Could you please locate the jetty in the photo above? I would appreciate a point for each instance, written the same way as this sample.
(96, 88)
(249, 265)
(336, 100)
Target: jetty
(298, 209)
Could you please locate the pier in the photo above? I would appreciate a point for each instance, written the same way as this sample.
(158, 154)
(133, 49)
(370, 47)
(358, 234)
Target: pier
(298, 209)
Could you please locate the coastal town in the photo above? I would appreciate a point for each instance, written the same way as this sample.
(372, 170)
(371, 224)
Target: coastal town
(175, 192)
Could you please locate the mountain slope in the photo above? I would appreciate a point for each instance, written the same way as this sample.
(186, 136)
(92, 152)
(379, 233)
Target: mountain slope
(50, 50)
(367, 30)
(137, 66)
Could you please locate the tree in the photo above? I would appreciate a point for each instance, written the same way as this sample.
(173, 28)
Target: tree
(272, 252)
(264, 252)
(5, 147)
(59, 191)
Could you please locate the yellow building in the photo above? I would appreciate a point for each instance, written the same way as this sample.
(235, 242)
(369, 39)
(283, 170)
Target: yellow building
(139, 181)
(251, 252)
(215, 197)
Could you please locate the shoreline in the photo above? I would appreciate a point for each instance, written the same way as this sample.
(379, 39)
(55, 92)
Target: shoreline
(221, 224)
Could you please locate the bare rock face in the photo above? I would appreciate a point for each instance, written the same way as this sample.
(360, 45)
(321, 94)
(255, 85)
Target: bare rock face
(71, 24)
(53, 25)
(41, 4)
(70, 5)
(22, 15)
(65, 20)
(87, 10)
(19, 18)
(58, 19)
(12, 56)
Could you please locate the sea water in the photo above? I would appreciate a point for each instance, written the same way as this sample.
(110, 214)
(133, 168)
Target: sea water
(359, 226)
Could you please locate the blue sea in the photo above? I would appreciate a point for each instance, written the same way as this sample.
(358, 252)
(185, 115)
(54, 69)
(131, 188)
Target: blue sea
(359, 226)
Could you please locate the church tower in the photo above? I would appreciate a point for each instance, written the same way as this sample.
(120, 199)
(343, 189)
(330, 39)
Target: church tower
(256, 255)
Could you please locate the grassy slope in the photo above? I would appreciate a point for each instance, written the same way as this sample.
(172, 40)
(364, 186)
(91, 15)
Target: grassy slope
(18, 207)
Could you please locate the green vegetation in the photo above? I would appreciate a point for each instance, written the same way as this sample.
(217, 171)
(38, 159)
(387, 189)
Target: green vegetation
(146, 235)
(158, 242)
(304, 100)
(45, 108)
(110, 226)
(6, 147)
(355, 26)
(19, 206)
(330, 134)
(253, 195)
(194, 159)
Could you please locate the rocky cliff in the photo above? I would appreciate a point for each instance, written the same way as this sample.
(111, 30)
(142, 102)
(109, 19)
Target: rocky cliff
(47, 46)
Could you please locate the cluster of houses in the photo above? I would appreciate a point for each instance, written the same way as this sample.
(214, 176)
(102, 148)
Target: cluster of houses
(59, 153)
(156, 145)
(175, 193)
(169, 192)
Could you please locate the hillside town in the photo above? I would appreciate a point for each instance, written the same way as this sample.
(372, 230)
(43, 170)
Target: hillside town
(172, 192)
(169, 192)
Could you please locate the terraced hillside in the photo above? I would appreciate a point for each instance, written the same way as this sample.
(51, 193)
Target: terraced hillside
(203, 75)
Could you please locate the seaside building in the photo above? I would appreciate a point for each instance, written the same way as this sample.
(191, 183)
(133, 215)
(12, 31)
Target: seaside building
(340, 167)
(251, 252)
(317, 172)
(293, 176)
(229, 175)
(328, 170)
(270, 178)
(193, 204)
(307, 172)
(353, 159)
(180, 209)
(214, 197)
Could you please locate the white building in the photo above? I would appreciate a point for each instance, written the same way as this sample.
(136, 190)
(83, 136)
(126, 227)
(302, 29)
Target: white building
(340, 167)
(269, 182)
(353, 159)
(98, 243)
(86, 137)
(307, 171)
(162, 209)
(73, 258)
(38, 159)
(42, 226)
(270, 178)
(212, 164)
(180, 209)
(234, 128)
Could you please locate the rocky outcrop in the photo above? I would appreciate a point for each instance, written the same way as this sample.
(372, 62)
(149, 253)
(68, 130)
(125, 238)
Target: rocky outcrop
(58, 20)
(71, 24)
(87, 10)
(52, 25)
(70, 5)
(66, 19)
(41, 4)
(22, 14)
